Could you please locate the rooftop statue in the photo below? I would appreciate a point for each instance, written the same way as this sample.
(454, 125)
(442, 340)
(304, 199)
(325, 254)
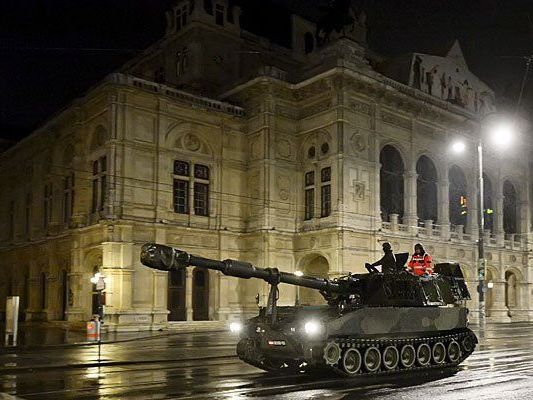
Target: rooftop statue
(341, 16)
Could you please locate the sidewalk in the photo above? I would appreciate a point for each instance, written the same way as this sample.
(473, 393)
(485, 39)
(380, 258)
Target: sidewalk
(37, 335)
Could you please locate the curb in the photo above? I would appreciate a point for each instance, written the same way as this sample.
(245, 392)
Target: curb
(4, 370)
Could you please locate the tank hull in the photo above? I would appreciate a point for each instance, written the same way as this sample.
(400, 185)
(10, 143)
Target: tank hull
(401, 339)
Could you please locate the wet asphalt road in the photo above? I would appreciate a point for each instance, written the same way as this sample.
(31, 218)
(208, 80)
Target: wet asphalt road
(204, 366)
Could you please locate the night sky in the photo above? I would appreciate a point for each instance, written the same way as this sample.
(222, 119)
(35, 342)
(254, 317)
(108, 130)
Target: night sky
(52, 51)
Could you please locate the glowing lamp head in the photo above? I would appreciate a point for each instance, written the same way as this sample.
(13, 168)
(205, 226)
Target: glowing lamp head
(312, 328)
(96, 278)
(235, 327)
(501, 134)
(298, 273)
(490, 285)
(458, 147)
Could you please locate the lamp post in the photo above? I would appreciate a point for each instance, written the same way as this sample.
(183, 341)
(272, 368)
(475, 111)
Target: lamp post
(501, 134)
(297, 301)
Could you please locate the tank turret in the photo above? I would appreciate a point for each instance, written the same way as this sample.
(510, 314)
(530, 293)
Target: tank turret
(374, 322)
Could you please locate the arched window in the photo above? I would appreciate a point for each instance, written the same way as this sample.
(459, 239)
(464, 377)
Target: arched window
(391, 182)
(426, 189)
(457, 196)
(487, 203)
(309, 43)
(509, 207)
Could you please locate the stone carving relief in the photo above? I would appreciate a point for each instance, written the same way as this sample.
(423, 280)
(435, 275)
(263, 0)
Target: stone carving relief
(359, 142)
(363, 108)
(283, 148)
(283, 183)
(191, 142)
(358, 191)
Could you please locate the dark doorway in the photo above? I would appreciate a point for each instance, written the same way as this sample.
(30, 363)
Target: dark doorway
(509, 208)
(64, 295)
(200, 294)
(176, 296)
(458, 196)
(426, 189)
(391, 182)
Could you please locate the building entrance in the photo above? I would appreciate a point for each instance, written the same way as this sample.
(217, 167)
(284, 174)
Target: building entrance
(176, 295)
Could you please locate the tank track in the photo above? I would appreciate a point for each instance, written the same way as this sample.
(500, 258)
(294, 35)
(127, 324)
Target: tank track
(465, 338)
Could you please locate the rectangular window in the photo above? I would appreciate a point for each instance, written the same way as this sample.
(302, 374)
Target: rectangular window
(201, 199)
(201, 172)
(184, 16)
(181, 168)
(325, 201)
(11, 227)
(99, 184)
(325, 174)
(181, 196)
(27, 214)
(94, 205)
(178, 20)
(219, 15)
(309, 203)
(310, 178)
(68, 199)
(189, 177)
(47, 205)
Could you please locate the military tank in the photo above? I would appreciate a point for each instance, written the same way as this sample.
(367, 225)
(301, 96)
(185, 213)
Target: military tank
(373, 323)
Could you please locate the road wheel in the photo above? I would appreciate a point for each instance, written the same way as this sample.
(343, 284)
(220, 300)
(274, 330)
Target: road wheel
(372, 359)
(423, 354)
(439, 353)
(332, 353)
(390, 358)
(408, 356)
(351, 362)
(468, 343)
(454, 351)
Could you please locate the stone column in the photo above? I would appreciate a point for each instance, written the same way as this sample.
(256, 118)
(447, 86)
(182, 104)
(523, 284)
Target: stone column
(499, 311)
(444, 205)
(428, 224)
(393, 218)
(188, 294)
(524, 221)
(410, 213)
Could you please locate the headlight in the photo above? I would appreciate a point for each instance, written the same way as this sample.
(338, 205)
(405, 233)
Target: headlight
(235, 327)
(312, 328)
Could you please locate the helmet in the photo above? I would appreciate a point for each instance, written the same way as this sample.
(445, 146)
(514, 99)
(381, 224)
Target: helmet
(387, 246)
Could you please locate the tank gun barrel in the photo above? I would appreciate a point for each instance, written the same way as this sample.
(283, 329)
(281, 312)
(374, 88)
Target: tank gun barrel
(165, 258)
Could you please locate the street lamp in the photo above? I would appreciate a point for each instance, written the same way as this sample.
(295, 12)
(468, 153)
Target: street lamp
(297, 302)
(501, 134)
(99, 281)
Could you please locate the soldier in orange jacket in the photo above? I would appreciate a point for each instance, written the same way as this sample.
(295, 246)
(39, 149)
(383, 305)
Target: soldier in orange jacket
(420, 263)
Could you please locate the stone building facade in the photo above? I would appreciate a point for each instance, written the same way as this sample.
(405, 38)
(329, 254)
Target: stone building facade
(224, 144)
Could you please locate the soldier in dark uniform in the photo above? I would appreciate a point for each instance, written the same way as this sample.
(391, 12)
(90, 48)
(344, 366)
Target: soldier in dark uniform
(387, 262)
